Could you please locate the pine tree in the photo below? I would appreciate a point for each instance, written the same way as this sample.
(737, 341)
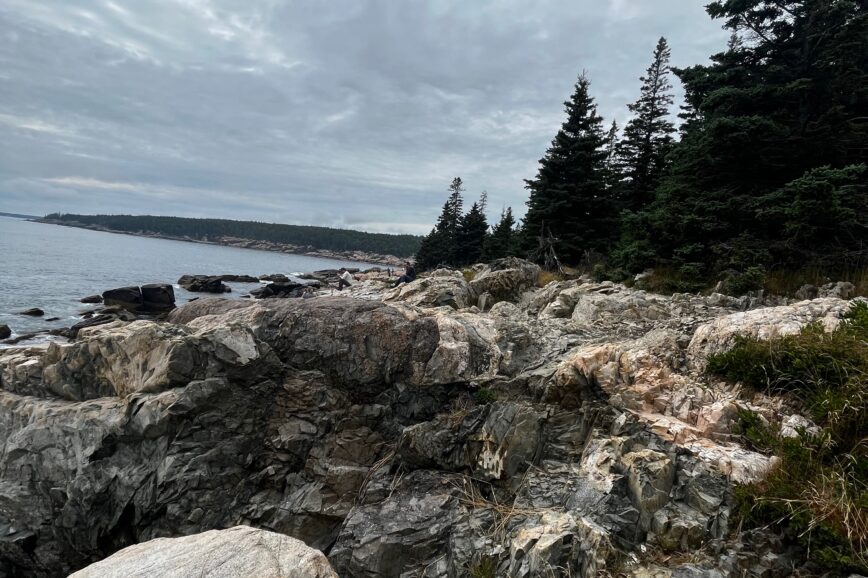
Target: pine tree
(501, 242)
(568, 201)
(648, 135)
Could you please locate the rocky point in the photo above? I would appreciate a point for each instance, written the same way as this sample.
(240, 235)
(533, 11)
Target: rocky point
(461, 424)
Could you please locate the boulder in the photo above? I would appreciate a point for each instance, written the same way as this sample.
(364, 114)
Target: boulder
(277, 277)
(239, 552)
(5, 332)
(278, 289)
(239, 278)
(719, 335)
(841, 290)
(32, 312)
(158, 297)
(441, 288)
(505, 279)
(367, 345)
(127, 297)
(203, 284)
(155, 357)
(91, 299)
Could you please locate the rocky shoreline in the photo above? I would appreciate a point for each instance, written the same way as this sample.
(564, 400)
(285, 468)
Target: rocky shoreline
(357, 256)
(459, 425)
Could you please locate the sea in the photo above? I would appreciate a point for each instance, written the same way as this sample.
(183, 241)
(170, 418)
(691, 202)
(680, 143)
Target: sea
(52, 267)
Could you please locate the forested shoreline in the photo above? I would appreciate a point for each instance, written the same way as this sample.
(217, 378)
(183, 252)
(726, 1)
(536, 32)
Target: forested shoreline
(763, 182)
(320, 238)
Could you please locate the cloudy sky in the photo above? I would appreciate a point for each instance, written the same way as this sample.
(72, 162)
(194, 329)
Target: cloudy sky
(349, 113)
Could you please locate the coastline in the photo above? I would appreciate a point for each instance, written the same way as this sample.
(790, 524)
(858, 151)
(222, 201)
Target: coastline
(242, 243)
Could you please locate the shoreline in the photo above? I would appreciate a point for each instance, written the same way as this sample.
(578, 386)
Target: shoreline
(242, 243)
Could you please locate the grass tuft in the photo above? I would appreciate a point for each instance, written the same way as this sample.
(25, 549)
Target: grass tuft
(818, 496)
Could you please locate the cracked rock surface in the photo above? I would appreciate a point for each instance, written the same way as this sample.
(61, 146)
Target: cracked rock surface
(435, 429)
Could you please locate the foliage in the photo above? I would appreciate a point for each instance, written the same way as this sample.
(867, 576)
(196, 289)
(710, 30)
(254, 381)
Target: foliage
(460, 239)
(819, 493)
(772, 154)
(568, 203)
(503, 238)
(647, 137)
(738, 282)
(470, 236)
(440, 247)
(669, 280)
(211, 229)
(486, 567)
(484, 396)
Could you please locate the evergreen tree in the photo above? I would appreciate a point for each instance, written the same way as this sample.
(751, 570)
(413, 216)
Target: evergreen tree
(648, 135)
(430, 251)
(440, 247)
(613, 170)
(568, 201)
(471, 235)
(787, 97)
(501, 242)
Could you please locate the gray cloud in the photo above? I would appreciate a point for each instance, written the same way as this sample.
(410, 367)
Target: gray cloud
(344, 113)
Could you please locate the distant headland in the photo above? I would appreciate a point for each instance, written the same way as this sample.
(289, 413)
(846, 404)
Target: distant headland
(324, 242)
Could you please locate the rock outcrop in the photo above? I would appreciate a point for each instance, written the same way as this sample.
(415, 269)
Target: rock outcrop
(240, 552)
(32, 312)
(565, 431)
(204, 284)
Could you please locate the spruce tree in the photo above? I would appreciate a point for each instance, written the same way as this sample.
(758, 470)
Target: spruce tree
(788, 97)
(568, 201)
(648, 134)
(440, 247)
(501, 242)
(429, 253)
(471, 236)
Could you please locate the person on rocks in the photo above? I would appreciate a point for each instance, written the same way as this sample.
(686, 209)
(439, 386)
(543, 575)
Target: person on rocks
(344, 279)
(408, 276)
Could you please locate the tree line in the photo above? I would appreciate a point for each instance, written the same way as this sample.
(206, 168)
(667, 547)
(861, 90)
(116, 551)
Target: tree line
(767, 169)
(211, 229)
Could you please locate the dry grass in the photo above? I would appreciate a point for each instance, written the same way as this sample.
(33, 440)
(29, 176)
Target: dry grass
(819, 493)
(546, 277)
(472, 497)
(787, 282)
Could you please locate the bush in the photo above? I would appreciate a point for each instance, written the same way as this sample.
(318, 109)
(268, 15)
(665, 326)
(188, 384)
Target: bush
(668, 280)
(819, 494)
(485, 396)
(738, 283)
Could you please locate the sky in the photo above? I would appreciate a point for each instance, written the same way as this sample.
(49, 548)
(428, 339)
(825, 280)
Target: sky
(344, 113)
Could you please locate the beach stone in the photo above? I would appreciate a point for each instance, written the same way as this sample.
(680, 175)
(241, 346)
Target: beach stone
(5, 332)
(91, 299)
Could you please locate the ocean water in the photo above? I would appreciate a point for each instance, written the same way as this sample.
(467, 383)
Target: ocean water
(52, 267)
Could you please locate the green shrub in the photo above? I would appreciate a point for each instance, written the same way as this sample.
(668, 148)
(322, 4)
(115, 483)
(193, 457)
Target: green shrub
(738, 283)
(485, 568)
(668, 280)
(484, 396)
(819, 494)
